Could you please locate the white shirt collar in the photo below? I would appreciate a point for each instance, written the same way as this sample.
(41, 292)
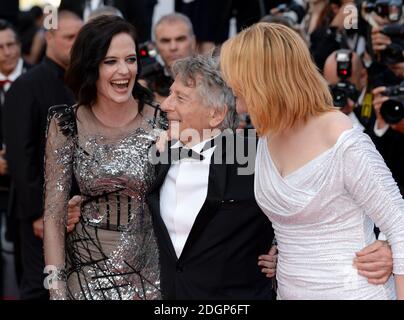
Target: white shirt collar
(16, 72)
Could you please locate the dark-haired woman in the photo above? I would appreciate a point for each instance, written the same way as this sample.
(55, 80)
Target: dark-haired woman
(103, 143)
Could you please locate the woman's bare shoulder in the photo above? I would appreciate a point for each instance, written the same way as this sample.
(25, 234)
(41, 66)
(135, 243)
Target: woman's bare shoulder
(332, 125)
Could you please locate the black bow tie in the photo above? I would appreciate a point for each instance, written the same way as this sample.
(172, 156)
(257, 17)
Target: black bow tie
(185, 153)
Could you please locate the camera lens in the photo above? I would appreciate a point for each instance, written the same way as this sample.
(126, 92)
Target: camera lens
(339, 97)
(392, 111)
(382, 9)
(392, 54)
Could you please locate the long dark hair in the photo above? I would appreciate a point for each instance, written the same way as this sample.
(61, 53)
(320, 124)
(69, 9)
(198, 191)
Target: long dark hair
(88, 51)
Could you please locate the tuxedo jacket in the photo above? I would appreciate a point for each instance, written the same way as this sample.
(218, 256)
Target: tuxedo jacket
(220, 257)
(5, 180)
(391, 147)
(24, 124)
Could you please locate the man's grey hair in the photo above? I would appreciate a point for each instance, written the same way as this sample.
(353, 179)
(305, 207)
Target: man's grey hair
(173, 18)
(104, 11)
(203, 73)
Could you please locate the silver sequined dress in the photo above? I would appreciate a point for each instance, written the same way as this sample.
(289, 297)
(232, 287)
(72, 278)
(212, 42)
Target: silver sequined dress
(112, 253)
(323, 213)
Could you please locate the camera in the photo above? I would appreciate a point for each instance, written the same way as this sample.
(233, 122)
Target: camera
(153, 71)
(391, 9)
(392, 110)
(394, 52)
(344, 63)
(344, 89)
(341, 92)
(148, 61)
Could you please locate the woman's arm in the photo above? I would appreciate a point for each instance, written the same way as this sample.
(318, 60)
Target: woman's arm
(58, 177)
(373, 188)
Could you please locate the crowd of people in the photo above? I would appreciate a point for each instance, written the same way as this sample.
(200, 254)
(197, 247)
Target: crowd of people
(144, 162)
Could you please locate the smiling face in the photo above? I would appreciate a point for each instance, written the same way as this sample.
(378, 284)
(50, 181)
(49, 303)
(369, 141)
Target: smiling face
(118, 70)
(185, 110)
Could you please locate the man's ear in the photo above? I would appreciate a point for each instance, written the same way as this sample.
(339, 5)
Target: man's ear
(193, 44)
(217, 116)
(48, 35)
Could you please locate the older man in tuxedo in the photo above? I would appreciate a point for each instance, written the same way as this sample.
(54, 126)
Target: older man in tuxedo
(209, 228)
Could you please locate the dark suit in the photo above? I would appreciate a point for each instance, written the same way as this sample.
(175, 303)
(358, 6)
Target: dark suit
(9, 10)
(11, 227)
(138, 12)
(78, 6)
(219, 259)
(24, 123)
(391, 147)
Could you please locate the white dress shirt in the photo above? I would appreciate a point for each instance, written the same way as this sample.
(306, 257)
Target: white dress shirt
(183, 194)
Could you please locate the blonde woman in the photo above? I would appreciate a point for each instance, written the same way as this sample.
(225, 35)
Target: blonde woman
(321, 182)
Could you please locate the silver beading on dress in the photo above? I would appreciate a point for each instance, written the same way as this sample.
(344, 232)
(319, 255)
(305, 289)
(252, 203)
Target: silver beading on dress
(112, 253)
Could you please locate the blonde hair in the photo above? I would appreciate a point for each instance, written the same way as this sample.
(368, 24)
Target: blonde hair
(270, 66)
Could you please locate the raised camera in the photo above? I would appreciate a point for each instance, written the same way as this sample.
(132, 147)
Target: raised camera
(392, 110)
(394, 52)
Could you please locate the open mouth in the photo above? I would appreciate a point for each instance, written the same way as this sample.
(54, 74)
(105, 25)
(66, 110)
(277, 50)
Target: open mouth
(120, 84)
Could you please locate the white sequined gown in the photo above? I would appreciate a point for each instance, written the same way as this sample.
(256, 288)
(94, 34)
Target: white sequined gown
(323, 213)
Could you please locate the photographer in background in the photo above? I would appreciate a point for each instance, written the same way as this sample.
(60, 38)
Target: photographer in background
(388, 131)
(174, 39)
(347, 77)
(386, 72)
(386, 41)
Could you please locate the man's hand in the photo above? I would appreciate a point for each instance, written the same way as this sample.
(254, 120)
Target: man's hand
(3, 163)
(268, 262)
(375, 262)
(378, 100)
(73, 213)
(37, 225)
(379, 40)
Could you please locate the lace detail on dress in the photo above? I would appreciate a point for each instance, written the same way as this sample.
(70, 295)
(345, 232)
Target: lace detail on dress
(58, 177)
(112, 254)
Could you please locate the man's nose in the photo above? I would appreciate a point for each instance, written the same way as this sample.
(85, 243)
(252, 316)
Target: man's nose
(173, 46)
(166, 105)
(6, 51)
